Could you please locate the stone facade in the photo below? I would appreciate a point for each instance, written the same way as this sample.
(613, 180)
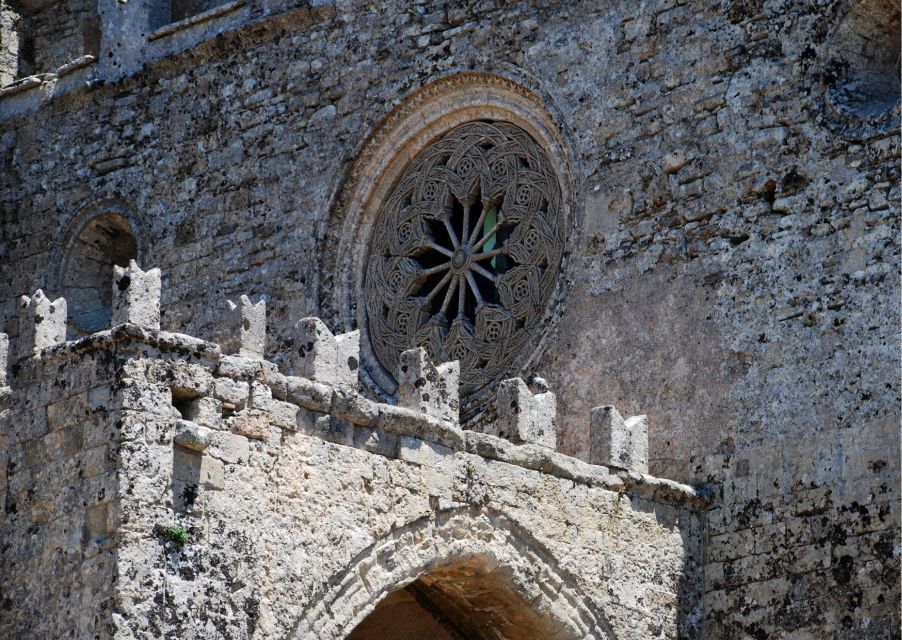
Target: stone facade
(171, 490)
(730, 174)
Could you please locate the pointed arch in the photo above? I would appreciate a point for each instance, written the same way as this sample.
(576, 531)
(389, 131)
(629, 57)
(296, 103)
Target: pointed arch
(468, 539)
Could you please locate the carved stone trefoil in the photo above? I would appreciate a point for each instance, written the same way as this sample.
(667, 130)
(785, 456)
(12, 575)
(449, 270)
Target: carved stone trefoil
(465, 253)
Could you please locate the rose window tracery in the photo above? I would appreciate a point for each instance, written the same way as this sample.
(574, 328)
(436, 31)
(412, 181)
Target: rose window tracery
(465, 252)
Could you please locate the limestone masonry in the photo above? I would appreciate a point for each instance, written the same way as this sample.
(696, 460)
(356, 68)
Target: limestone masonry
(459, 320)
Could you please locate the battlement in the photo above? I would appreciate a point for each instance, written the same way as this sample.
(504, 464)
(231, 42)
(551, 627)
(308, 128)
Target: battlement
(322, 379)
(141, 454)
(640, 210)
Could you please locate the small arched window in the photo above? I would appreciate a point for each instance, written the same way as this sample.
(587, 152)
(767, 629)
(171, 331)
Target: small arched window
(863, 71)
(86, 278)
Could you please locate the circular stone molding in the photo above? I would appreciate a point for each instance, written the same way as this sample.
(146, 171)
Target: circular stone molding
(456, 221)
(465, 253)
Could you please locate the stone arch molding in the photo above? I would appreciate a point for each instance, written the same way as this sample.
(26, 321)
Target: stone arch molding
(442, 540)
(104, 230)
(422, 118)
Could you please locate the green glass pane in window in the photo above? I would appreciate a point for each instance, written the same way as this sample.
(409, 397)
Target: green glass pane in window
(491, 219)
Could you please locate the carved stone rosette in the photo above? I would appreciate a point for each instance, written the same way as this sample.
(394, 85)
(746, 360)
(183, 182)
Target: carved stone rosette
(465, 252)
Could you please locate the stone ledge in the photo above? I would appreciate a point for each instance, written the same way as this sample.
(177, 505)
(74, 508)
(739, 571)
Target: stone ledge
(562, 466)
(124, 333)
(360, 412)
(200, 18)
(76, 64)
(21, 85)
(31, 82)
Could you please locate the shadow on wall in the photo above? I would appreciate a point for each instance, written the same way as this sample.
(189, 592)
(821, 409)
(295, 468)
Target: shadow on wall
(470, 599)
(105, 241)
(39, 37)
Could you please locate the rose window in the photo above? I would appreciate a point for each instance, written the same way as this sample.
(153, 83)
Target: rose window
(465, 253)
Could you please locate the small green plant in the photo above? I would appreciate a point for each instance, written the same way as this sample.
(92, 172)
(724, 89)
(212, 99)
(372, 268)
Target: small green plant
(177, 534)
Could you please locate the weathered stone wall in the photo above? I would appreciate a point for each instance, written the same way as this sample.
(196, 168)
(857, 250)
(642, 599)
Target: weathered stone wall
(64, 31)
(736, 277)
(9, 44)
(41, 37)
(298, 521)
(806, 537)
(60, 487)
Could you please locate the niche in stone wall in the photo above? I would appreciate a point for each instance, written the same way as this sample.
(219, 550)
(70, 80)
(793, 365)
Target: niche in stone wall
(86, 276)
(40, 36)
(862, 72)
(163, 12)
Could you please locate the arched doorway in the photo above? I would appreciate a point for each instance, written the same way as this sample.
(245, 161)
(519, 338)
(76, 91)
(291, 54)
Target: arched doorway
(469, 571)
(470, 600)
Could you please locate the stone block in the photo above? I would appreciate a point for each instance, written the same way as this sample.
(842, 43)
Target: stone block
(347, 346)
(193, 436)
(260, 394)
(95, 461)
(334, 429)
(99, 398)
(186, 380)
(205, 411)
(42, 324)
(320, 356)
(240, 368)
(96, 520)
(421, 452)
(523, 417)
(427, 388)
(143, 396)
(280, 414)
(376, 441)
(353, 407)
(246, 327)
(4, 358)
(253, 425)
(136, 296)
(308, 394)
(618, 442)
(231, 392)
(159, 430)
(231, 448)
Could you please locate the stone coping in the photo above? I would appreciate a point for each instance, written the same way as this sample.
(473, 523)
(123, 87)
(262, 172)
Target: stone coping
(23, 84)
(348, 405)
(196, 19)
(127, 331)
(30, 82)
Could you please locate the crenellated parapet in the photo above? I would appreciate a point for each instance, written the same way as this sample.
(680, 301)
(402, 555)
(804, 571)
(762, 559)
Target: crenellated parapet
(617, 441)
(42, 324)
(136, 296)
(524, 417)
(428, 387)
(240, 393)
(319, 355)
(245, 324)
(141, 441)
